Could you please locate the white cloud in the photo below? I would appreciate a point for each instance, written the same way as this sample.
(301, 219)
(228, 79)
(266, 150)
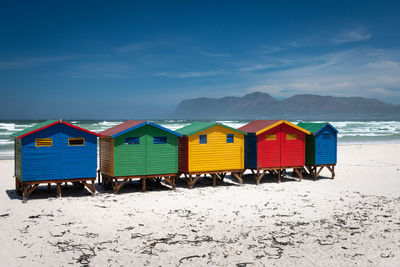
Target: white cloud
(348, 73)
(352, 36)
(257, 67)
(192, 74)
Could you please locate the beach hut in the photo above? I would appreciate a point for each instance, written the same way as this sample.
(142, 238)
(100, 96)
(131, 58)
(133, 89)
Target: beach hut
(321, 148)
(54, 151)
(210, 148)
(274, 145)
(138, 149)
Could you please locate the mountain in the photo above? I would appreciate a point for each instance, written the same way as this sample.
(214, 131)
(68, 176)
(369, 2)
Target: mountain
(259, 105)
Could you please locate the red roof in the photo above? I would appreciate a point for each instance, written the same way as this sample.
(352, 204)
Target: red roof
(257, 125)
(120, 127)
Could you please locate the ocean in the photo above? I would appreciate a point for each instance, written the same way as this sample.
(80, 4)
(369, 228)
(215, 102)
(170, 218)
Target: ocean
(350, 132)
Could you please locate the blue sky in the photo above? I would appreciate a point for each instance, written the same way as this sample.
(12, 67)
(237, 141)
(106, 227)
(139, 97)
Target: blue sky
(126, 59)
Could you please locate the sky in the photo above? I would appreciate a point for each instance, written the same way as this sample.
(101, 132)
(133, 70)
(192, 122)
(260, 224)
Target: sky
(138, 60)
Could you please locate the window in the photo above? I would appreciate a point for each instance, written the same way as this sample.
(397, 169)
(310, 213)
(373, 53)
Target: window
(203, 139)
(44, 142)
(326, 136)
(76, 141)
(132, 140)
(159, 140)
(290, 136)
(270, 137)
(229, 138)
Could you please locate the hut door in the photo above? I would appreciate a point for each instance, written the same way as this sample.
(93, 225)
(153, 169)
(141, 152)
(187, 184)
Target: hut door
(161, 154)
(269, 149)
(292, 146)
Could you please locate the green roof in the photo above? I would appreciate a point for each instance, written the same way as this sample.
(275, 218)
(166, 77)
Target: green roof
(33, 128)
(312, 127)
(196, 127)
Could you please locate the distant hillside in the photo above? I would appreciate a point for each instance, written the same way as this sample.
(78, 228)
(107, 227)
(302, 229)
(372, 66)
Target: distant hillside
(261, 105)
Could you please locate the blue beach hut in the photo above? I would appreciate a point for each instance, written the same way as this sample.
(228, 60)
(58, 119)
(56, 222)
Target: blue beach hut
(321, 147)
(54, 151)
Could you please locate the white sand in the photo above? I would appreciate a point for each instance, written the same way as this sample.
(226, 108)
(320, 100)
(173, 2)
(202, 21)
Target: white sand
(354, 219)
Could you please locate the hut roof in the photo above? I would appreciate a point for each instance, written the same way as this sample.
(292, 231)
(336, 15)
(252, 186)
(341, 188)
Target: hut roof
(259, 126)
(43, 125)
(314, 127)
(196, 127)
(132, 125)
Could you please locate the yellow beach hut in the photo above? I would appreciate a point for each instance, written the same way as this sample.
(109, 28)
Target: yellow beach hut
(210, 148)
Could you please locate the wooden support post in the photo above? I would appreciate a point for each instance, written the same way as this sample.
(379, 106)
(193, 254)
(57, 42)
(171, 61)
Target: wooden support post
(299, 174)
(143, 184)
(190, 181)
(238, 177)
(260, 175)
(58, 190)
(195, 180)
(279, 175)
(48, 186)
(254, 174)
(214, 177)
(89, 187)
(316, 173)
(24, 192)
(332, 170)
(16, 185)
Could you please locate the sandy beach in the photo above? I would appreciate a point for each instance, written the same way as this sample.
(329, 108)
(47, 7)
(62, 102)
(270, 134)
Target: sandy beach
(353, 219)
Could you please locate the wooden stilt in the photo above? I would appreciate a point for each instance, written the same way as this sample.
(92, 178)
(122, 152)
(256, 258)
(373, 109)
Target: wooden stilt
(143, 184)
(195, 180)
(48, 186)
(17, 185)
(279, 175)
(299, 174)
(190, 181)
(260, 175)
(214, 177)
(238, 177)
(332, 170)
(24, 192)
(58, 190)
(89, 187)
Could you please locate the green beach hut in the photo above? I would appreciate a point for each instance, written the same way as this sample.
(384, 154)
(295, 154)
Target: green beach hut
(138, 149)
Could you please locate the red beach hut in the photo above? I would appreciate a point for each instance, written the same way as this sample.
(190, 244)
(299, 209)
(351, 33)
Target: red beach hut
(273, 145)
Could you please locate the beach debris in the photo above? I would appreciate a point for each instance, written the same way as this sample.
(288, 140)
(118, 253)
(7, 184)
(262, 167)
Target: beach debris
(191, 257)
(40, 215)
(4, 215)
